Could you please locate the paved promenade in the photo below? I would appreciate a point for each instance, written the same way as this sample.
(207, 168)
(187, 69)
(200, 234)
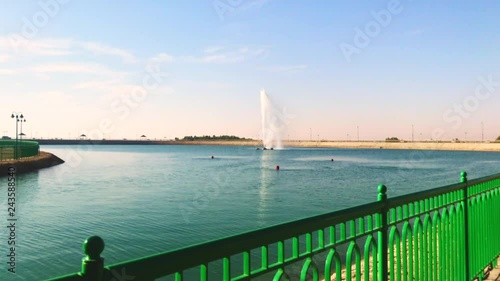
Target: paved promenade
(495, 273)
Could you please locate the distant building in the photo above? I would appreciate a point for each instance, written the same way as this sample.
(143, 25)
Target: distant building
(6, 138)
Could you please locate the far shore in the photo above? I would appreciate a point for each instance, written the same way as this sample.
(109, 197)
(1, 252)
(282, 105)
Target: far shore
(425, 145)
(461, 146)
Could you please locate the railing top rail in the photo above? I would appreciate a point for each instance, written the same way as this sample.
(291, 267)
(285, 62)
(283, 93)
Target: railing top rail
(183, 258)
(483, 179)
(424, 194)
(416, 196)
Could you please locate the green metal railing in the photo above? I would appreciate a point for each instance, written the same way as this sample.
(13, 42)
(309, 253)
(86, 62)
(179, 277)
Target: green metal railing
(10, 149)
(449, 233)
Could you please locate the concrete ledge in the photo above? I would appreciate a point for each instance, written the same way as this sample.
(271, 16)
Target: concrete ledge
(29, 164)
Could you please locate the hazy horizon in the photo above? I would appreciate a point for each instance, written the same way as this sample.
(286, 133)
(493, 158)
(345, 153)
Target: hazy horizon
(119, 70)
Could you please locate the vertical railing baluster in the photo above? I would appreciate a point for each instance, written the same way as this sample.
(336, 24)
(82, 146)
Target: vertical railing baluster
(264, 254)
(361, 226)
(382, 234)
(246, 263)
(333, 235)
(281, 252)
(309, 243)
(203, 273)
(352, 228)
(463, 179)
(321, 239)
(342, 235)
(295, 247)
(226, 268)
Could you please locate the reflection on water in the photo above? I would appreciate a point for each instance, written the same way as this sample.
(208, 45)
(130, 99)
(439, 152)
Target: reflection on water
(267, 176)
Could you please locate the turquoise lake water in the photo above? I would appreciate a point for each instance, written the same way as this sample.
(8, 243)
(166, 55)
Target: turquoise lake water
(146, 199)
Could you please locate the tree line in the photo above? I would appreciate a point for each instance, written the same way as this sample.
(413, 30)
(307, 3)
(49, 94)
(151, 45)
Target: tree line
(213, 137)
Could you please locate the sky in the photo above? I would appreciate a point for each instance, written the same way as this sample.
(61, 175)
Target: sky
(335, 70)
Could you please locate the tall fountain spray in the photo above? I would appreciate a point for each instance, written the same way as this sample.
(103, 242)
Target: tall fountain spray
(272, 124)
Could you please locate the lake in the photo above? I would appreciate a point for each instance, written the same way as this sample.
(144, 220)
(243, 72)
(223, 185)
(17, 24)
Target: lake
(144, 199)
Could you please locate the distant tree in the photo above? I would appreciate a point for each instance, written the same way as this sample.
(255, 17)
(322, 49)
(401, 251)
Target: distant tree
(392, 139)
(498, 138)
(213, 137)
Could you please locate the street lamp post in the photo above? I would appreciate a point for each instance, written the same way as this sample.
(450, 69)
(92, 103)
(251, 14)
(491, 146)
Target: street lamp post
(21, 134)
(357, 127)
(310, 134)
(18, 116)
(15, 148)
(412, 133)
(482, 132)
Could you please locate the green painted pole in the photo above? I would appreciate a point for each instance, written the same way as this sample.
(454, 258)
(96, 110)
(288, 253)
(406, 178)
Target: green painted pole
(93, 263)
(463, 179)
(382, 235)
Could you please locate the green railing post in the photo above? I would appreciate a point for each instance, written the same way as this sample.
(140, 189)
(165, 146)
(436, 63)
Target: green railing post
(463, 179)
(93, 263)
(382, 235)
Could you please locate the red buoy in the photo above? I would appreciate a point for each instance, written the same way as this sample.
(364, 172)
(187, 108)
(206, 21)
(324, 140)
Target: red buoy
(277, 167)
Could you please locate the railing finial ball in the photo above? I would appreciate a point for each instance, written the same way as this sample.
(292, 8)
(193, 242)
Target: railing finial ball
(382, 196)
(93, 247)
(463, 176)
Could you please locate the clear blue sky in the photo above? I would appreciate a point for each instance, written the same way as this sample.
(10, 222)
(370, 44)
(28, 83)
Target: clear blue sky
(196, 67)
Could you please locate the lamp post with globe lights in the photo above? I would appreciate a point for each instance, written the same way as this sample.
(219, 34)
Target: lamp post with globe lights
(18, 118)
(22, 134)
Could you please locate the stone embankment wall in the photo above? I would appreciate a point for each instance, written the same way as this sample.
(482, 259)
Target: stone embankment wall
(29, 164)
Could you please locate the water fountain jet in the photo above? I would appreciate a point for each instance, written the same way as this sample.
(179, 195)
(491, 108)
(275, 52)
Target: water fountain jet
(272, 123)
